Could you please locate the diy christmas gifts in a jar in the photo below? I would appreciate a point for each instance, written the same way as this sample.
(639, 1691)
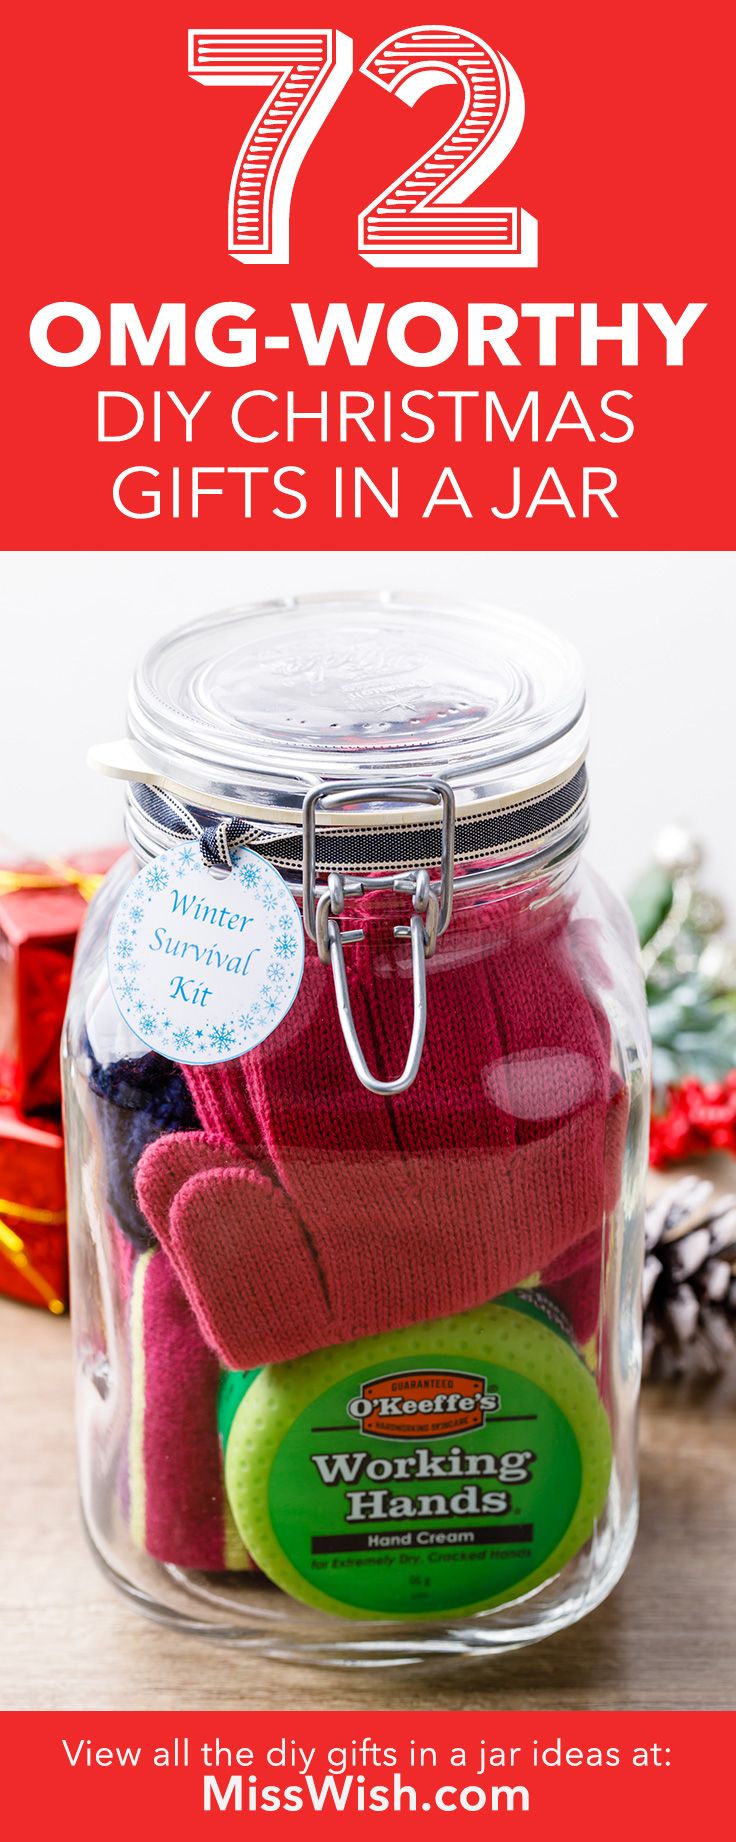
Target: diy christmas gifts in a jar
(357, 1097)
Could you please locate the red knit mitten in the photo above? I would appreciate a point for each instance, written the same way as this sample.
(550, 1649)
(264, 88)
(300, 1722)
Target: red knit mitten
(238, 1249)
(318, 1212)
(264, 1288)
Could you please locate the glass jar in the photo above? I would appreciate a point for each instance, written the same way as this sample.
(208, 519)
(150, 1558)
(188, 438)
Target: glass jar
(356, 1256)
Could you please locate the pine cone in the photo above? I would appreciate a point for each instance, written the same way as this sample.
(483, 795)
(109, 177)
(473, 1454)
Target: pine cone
(689, 1281)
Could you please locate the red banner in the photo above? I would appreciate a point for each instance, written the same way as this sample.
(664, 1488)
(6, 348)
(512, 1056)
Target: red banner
(334, 1774)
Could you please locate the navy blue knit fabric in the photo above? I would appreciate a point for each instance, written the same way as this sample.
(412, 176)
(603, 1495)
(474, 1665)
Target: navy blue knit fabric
(135, 1102)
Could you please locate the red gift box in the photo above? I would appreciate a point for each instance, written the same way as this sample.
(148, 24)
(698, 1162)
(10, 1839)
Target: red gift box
(33, 1247)
(42, 907)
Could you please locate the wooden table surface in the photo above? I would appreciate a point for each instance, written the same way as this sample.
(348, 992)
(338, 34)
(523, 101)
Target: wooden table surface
(665, 1639)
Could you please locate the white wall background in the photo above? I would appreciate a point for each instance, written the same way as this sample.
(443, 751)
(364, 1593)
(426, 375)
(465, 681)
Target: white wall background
(657, 633)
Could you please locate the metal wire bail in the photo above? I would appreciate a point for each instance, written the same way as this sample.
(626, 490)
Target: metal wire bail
(428, 922)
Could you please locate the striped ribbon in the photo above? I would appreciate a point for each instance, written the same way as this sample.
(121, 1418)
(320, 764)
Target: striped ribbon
(156, 820)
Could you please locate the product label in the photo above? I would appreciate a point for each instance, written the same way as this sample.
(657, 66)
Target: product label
(204, 966)
(388, 1407)
(405, 1490)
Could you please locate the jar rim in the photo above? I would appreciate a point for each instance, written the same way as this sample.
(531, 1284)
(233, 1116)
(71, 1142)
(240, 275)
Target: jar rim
(250, 708)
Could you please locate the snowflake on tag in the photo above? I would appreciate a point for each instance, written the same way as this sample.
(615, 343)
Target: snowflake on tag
(157, 878)
(222, 1038)
(285, 946)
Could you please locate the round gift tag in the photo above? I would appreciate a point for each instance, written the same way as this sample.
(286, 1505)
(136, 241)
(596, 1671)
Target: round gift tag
(437, 1470)
(204, 966)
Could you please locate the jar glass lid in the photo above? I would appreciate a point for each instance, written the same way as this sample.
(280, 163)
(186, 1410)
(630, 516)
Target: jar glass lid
(256, 705)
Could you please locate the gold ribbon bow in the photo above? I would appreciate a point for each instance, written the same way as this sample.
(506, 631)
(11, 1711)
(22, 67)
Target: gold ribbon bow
(14, 1249)
(60, 875)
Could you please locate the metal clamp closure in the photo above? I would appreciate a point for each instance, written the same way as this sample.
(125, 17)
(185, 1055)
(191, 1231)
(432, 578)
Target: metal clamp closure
(428, 922)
